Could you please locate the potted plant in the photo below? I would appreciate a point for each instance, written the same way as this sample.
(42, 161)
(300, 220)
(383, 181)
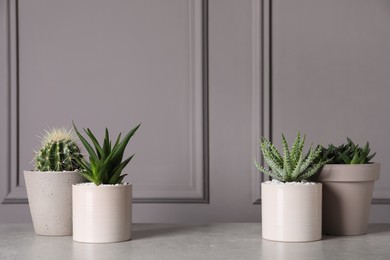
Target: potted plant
(49, 186)
(102, 208)
(348, 182)
(291, 206)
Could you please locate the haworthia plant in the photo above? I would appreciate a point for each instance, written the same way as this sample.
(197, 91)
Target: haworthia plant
(348, 153)
(59, 151)
(294, 165)
(105, 161)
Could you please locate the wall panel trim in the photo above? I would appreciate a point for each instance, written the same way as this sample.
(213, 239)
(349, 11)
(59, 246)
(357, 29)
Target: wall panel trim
(197, 191)
(261, 87)
(262, 114)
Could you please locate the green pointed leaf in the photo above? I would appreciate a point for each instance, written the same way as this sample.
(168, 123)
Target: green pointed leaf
(105, 162)
(356, 158)
(118, 170)
(344, 158)
(120, 179)
(268, 172)
(106, 144)
(370, 157)
(273, 151)
(95, 142)
(287, 164)
(88, 177)
(87, 146)
(120, 148)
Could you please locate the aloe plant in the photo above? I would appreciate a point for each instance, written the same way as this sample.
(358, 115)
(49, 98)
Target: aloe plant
(348, 153)
(59, 151)
(106, 163)
(294, 165)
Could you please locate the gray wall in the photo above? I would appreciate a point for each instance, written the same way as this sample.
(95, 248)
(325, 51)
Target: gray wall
(205, 78)
(331, 76)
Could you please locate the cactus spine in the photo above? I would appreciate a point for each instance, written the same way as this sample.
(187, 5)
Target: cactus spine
(58, 152)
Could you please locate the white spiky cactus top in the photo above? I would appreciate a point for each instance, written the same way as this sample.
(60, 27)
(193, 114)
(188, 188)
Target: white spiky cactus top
(59, 151)
(58, 134)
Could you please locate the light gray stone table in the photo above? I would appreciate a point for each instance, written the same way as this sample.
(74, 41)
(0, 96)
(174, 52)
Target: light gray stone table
(214, 241)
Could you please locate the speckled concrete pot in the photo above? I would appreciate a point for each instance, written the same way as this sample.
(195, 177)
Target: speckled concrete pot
(102, 214)
(347, 197)
(50, 200)
(291, 212)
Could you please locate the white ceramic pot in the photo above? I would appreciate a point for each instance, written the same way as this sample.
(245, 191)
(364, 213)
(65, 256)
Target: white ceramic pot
(102, 214)
(291, 212)
(348, 192)
(50, 200)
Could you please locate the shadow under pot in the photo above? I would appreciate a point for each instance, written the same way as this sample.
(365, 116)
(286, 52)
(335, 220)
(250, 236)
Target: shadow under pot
(347, 195)
(102, 214)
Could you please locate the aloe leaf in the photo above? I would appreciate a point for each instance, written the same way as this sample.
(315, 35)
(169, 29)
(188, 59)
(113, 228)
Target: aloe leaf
(308, 158)
(268, 172)
(355, 158)
(84, 164)
(272, 150)
(366, 149)
(370, 157)
(344, 158)
(95, 142)
(118, 170)
(105, 164)
(297, 168)
(120, 179)
(274, 167)
(362, 160)
(106, 144)
(88, 177)
(287, 165)
(297, 148)
(117, 140)
(118, 150)
(87, 146)
(274, 163)
(313, 169)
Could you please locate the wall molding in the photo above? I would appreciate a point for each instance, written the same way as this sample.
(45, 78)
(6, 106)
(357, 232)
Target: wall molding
(197, 190)
(262, 89)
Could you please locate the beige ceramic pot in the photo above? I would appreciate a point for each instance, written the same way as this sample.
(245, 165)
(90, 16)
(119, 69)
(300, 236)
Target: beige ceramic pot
(347, 197)
(50, 200)
(102, 214)
(291, 212)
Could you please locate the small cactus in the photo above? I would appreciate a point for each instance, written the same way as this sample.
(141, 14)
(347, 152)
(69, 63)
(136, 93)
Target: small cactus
(58, 152)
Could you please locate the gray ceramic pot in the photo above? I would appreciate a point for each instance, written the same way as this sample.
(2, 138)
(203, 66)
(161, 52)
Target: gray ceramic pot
(50, 199)
(347, 194)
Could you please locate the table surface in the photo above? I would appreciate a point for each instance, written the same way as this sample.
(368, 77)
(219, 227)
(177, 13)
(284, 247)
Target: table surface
(211, 241)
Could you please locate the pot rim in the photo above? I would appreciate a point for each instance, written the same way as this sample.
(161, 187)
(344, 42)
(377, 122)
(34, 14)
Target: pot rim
(91, 185)
(352, 165)
(309, 183)
(291, 187)
(349, 172)
(49, 172)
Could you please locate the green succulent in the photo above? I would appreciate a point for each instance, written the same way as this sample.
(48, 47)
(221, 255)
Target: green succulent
(294, 165)
(105, 161)
(59, 151)
(348, 153)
